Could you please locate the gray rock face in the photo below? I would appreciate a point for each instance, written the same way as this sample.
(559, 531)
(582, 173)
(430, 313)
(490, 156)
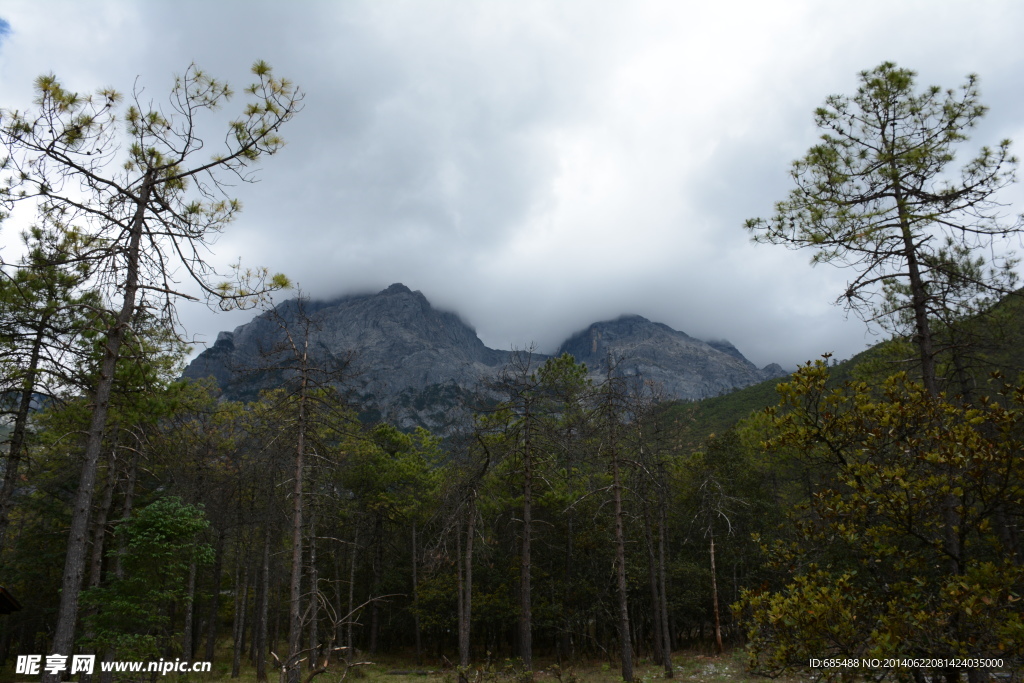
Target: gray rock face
(403, 359)
(415, 365)
(684, 367)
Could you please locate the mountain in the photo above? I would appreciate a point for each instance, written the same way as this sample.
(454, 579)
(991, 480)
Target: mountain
(686, 368)
(405, 361)
(402, 358)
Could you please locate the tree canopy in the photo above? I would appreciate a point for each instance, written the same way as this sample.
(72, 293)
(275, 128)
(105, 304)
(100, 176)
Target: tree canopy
(129, 181)
(877, 195)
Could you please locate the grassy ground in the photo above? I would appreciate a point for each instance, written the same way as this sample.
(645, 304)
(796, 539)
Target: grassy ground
(689, 668)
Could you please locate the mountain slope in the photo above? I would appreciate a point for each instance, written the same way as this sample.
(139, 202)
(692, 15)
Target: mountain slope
(990, 342)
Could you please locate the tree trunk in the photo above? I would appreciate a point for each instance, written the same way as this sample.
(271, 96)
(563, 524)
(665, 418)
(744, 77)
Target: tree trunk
(460, 593)
(295, 594)
(378, 562)
(625, 642)
(465, 618)
(929, 376)
(19, 432)
(918, 293)
(666, 634)
(1007, 537)
(187, 639)
(211, 628)
(122, 549)
(275, 629)
(99, 531)
(260, 637)
(714, 596)
(338, 602)
(416, 601)
(126, 512)
(241, 604)
(314, 597)
(74, 564)
(350, 651)
(99, 534)
(652, 579)
(565, 641)
(525, 604)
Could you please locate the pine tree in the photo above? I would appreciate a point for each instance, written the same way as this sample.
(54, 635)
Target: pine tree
(132, 181)
(876, 195)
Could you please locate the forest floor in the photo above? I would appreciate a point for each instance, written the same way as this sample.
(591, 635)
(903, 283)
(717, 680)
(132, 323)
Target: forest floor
(690, 667)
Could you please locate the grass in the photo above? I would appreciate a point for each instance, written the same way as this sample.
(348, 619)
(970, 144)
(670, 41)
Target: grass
(690, 667)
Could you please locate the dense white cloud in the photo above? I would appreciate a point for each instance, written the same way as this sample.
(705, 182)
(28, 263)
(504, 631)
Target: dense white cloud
(534, 165)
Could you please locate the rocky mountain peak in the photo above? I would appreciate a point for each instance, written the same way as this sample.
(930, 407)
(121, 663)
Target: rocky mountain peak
(399, 345)
(399, 288)
(683, 366)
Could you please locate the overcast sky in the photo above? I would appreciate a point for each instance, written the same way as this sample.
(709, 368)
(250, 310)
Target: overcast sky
(537, 166)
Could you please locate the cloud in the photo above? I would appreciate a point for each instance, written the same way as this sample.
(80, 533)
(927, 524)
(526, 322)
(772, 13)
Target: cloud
(537, 166)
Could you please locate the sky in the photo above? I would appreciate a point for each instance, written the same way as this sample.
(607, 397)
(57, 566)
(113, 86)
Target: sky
(536, 166)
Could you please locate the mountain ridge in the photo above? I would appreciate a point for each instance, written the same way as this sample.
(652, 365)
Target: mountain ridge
(418, 366)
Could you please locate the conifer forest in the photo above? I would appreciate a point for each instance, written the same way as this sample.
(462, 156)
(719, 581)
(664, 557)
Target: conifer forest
(869, 511)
